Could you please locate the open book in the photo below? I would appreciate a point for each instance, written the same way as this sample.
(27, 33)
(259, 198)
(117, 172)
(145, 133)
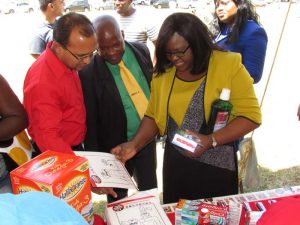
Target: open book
(107, 171)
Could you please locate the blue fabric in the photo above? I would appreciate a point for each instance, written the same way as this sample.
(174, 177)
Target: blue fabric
(252, 44)
(37, 208)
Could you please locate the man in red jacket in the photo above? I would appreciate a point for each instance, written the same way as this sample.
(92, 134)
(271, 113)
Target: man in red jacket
(52, 91)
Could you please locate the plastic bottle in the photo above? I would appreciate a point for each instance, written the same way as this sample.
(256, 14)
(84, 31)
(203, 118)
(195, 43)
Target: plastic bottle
(204, 217)
(220, 111)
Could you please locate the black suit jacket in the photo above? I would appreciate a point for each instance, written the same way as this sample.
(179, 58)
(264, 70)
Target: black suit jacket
(106, 118)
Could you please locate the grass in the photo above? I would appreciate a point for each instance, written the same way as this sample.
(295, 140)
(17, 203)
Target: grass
(281, 178)
(269, 180)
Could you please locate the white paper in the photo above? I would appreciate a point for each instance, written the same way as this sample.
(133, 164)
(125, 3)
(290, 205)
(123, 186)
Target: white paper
(107, 171)
(137, 209)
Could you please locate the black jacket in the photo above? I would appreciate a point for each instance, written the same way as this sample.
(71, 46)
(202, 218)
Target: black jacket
(106, 118)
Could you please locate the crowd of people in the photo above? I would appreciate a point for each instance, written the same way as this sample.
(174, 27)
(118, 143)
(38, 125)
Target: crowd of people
(95, 87)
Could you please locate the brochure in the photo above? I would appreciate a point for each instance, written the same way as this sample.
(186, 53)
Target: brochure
(141, 208)
(107, 171)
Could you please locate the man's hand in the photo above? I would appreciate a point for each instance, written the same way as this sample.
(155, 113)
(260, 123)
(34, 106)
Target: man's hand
(125, 151)
(104, 191)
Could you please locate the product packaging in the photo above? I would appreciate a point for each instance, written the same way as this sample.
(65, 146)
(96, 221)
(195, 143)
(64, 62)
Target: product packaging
(185, 140)
(188, 212)
(63, 175)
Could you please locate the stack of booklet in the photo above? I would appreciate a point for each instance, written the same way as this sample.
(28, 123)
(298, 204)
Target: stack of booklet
(140, 208)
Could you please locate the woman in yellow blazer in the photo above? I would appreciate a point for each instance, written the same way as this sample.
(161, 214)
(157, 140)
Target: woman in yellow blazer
(189, 75)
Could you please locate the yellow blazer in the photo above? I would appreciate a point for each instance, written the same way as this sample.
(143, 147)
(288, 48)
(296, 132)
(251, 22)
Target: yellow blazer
(225, 70)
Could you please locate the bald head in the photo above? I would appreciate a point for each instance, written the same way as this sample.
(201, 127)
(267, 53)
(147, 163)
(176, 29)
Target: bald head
(110, 38)
(106, 27)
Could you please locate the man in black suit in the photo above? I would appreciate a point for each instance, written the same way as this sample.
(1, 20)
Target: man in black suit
(112, 116)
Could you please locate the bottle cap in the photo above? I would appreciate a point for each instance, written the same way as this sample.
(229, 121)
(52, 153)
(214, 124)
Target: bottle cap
(225, 94)
(204, 212)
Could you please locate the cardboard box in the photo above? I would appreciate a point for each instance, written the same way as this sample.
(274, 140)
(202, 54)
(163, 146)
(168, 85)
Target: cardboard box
(63, 175)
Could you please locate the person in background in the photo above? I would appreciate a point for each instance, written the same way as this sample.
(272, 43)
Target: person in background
(134, 23)
(113, 113)
(51, 9)
(13, 119)
(189, 76)
(52, 90)
(239, 30)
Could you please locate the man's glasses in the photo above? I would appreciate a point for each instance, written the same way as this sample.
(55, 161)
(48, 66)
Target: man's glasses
(179, 54)
(80, 58)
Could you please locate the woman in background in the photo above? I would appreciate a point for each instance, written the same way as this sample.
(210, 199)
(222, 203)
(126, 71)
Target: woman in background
(238, 30)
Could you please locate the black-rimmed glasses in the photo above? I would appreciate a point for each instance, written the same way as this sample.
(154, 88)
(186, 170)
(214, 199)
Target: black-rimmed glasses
(177, 53)
(80, 58)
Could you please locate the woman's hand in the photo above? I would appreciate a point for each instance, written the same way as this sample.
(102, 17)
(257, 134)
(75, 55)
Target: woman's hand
(104, 191)
(125, 151)
(204, 143)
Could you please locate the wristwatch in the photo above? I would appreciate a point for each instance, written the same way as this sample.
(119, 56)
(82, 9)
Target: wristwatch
(214, 141)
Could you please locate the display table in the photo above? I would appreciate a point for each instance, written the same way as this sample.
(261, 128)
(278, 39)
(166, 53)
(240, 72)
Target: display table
(236, 217)
(249, 200)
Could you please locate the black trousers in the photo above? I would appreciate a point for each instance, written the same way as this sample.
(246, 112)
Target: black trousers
(142, 167)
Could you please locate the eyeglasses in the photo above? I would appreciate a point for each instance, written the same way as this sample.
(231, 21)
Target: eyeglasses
(57, 2)
(80, 58)
(179, 54)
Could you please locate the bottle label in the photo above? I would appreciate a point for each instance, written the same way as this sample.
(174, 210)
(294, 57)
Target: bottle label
(221, 120)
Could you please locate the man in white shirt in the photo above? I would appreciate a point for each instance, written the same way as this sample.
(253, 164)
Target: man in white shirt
(51, 9)
(134, 24)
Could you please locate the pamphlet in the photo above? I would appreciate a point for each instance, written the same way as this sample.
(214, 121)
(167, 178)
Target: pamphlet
(107, 171)
(141, 208)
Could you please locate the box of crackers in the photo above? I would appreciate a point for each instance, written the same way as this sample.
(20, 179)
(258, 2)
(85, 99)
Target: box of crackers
(63, 175)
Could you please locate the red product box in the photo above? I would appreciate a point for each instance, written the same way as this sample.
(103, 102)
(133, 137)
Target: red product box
(218, 214)
(63, 175)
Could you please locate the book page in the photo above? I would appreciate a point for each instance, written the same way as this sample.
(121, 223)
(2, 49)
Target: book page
(107, 171)
(140, 211)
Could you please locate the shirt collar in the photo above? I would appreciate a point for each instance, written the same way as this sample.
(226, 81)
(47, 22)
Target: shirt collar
(57, 66)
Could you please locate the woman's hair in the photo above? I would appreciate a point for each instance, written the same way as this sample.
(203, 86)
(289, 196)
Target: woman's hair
(67, 23)
(245, 11)
(194, 32)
